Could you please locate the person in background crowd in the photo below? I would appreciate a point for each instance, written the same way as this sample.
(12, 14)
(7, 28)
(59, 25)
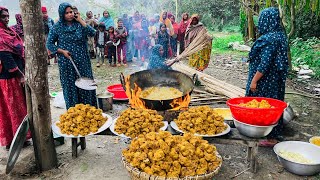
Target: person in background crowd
(152, 33)
(165, 20)
(121, 34)
(136, 27)
(107, 19)
(268, 68)
(182, 30)
(157, 21)
(157, 60)
(18, 28)
(111, 48)
(200, 60)
(47, 24)
(130, 41)
(90, 21)
(96, 18)
(13, 106)
(100, 39)
(126, 22)
(70, 34)
(173, 38)
(145, 40)
(164, 39)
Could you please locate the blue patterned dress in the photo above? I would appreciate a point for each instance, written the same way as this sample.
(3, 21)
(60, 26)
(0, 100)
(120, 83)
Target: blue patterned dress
(269, 56)
(157, 61)
(74, 39)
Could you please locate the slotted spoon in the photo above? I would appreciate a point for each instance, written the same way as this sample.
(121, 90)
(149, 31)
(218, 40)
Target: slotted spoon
(83, 82)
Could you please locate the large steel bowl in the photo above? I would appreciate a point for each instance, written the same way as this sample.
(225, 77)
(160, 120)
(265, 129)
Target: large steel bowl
(253, 130)
(307, 150)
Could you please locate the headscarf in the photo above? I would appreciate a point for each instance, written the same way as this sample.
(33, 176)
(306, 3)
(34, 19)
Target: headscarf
(193, 30)
(167, 22)
(107, 21)
(18, 28)
(62, 10)
(156, 60)
(9, 39)
(44, 10)
(272, 33)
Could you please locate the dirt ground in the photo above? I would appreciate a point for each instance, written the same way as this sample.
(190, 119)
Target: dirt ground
(102, 158)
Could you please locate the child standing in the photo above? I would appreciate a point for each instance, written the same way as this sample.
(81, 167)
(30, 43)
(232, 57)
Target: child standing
(100, 39)
(111, 48)
(164, 39)
(121, 33)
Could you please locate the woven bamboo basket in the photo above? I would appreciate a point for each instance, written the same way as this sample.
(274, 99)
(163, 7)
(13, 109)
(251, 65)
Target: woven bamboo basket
(136, 174)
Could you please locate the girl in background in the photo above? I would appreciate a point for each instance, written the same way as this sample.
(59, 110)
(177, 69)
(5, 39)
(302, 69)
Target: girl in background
(111, 48)
(182, 30)
(164, 39)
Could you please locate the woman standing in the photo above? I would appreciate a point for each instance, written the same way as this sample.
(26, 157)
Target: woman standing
(18, 28)
(70, 34)
(182, 30)
(12, 99)
(200, 60)
(107, 19)
(164, 40)
(269, 61)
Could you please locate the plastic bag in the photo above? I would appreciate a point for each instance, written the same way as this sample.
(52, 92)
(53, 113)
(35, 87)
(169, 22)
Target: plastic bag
(59, 101)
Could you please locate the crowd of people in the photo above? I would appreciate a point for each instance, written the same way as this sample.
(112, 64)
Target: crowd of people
(133, 37)
(130, 38)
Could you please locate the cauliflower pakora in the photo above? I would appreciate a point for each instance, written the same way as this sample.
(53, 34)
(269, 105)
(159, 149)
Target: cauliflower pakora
(187, 155)
(133, 122)
(201, 120)
(81, 120)
(256, 104)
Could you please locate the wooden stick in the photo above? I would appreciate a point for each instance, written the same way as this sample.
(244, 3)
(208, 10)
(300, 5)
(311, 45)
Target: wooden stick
(208, 99)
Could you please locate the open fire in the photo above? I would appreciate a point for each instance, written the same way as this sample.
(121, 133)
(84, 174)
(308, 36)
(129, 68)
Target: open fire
(137, 102)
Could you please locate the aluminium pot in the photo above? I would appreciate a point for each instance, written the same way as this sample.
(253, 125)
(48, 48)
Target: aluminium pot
(105, 101)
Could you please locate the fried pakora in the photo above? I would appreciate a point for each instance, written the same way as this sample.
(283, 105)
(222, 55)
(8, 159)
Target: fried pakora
(133, 122)
(256, 104)
(81, 120)
(165, 155)
(201, 120)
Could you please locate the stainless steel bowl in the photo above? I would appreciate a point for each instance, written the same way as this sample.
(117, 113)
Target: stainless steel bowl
(253, 130)
(307, 150)
(288, 114)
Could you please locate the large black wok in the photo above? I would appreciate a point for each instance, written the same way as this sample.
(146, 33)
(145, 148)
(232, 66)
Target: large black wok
(160, 78)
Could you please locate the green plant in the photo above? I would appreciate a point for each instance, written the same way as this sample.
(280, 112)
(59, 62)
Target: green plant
(220, 44)
(306, 53)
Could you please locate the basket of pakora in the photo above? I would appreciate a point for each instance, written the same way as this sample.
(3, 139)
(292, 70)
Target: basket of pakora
(256, 110)
(133, 122)
(81, 120)
(201, 121)
(164, 156)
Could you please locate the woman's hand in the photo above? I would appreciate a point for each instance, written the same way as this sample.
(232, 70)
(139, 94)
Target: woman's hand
(66, 53)
(253, 86)
(80, 20)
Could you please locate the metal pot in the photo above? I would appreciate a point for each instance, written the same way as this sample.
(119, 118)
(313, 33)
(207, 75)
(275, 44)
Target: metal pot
(105, 101)
(160, 78)
(288, 115)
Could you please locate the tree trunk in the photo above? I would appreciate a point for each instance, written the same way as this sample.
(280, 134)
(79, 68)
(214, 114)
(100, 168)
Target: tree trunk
(37, 85)
(250, 21)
